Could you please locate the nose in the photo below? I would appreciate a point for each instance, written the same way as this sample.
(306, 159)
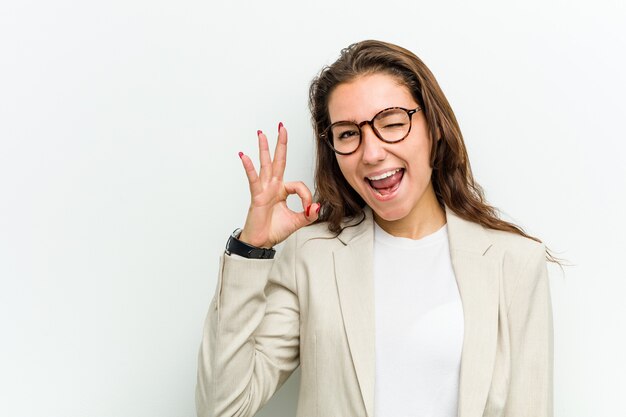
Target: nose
(373, 148)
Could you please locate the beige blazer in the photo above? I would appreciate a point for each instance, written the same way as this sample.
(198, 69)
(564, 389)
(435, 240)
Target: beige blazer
(313, 306)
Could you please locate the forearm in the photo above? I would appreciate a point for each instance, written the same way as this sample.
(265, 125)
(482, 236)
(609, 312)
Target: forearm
(250, 341)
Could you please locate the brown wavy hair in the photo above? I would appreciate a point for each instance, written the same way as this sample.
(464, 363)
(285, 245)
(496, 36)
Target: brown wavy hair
(452, 177)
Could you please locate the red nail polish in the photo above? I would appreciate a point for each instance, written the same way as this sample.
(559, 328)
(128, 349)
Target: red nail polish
(308, 208)
(279, 126)
(240, 154)
(258, 132)
(317, 210)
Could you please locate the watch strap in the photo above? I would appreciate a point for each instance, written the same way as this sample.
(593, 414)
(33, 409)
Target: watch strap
(236, 246)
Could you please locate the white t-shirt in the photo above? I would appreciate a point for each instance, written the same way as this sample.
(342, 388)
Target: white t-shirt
(419, 326)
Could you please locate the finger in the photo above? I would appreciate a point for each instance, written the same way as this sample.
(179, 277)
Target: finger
(280, 154)
(299, 188)
(308, 216)
(253, 178)
(314, 213)
(265, 172)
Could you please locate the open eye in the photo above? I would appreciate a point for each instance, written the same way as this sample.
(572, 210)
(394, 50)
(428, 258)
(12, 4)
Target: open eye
(343, 132)
(347, 134)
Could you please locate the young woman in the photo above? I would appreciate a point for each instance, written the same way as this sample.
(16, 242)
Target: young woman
(398, 290)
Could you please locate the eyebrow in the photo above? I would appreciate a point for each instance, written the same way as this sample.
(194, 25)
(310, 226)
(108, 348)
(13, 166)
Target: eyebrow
(356, 122)
(345, 120)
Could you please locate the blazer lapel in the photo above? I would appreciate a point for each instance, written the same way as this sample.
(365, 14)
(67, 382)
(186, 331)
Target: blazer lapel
(355, 285)
(478, 279)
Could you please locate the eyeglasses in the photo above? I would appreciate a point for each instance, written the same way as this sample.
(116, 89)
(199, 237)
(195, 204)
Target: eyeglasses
(390, 125)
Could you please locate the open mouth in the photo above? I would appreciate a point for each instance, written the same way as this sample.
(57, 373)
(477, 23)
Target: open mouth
(386, 184)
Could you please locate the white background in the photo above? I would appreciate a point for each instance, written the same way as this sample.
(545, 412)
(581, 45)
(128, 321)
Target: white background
(120, 123)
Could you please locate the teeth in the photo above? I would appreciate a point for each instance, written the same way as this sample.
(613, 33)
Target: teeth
(385, 175)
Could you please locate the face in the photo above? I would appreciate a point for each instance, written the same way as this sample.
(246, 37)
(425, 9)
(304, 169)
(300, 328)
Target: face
(369, 170)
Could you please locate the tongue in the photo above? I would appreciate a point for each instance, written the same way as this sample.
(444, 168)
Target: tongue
(387, 182)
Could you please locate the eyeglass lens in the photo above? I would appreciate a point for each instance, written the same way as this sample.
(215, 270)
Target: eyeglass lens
(390, 125)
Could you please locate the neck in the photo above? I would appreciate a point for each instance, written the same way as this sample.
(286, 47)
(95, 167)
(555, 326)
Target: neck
(424, 219)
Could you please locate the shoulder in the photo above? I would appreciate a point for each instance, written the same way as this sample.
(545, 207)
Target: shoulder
(314, 238)
(514, 244)
(517, 252)
(317, 240)
(308, 249)
(468, 235)
(314, 231)
(523, 262)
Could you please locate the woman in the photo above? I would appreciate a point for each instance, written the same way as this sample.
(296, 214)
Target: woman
(405, 294)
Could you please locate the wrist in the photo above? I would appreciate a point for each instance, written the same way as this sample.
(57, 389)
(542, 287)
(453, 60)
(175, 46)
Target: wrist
(247, 240)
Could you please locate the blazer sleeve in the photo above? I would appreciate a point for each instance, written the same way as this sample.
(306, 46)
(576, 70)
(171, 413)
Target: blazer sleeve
(251, 337)
(531, 337)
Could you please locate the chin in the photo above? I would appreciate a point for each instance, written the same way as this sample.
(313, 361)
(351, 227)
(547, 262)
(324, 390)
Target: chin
(390, 214)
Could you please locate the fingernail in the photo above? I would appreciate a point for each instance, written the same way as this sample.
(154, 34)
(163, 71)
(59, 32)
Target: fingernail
(279, 126)
(317, 210)
(240, 154)
(308, 208)
(258, 132)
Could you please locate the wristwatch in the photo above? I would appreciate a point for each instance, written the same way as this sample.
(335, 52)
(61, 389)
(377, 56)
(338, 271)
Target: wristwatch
(236, 246)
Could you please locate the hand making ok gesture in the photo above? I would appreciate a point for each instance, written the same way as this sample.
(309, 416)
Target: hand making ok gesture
(269, 220)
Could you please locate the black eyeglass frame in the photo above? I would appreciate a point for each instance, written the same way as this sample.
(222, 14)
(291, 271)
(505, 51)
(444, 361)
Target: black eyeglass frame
(324, 135)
